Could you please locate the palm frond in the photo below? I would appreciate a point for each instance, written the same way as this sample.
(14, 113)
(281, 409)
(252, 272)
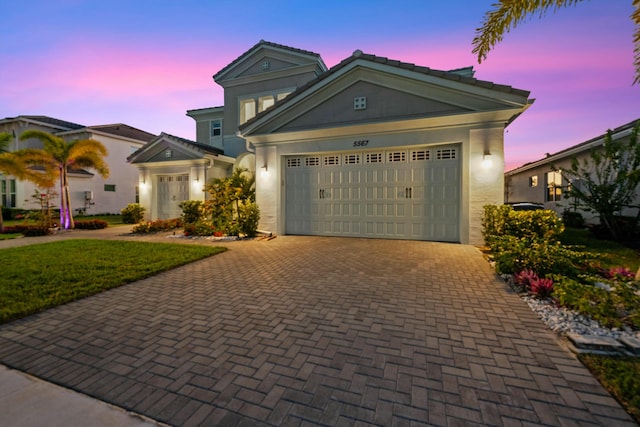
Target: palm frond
(93, 161)
(10, 164)
(81, 147)
(506, 16)
(5, 139)
(13, 164)
(635, 16)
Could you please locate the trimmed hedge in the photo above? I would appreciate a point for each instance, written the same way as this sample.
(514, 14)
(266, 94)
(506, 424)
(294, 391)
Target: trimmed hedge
(92, 224)
(27, 230)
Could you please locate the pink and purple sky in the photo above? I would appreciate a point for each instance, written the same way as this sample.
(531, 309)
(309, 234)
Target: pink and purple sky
(146, 62)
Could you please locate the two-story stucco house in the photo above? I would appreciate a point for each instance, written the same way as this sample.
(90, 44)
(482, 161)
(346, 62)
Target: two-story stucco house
(538, 182)
(90, 193)
(372, 147)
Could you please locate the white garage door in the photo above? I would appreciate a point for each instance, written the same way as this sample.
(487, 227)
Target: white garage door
(399, 194)
(172, 190)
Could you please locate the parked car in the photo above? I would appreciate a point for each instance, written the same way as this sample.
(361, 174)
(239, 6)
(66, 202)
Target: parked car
(526, 206)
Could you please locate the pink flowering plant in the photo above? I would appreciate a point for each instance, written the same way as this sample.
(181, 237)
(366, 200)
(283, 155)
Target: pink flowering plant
(620, 274)
(528, 281)
(542, 287)
(524, 278)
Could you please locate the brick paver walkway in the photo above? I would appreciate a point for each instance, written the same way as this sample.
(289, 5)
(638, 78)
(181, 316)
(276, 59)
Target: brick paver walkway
(316, 331)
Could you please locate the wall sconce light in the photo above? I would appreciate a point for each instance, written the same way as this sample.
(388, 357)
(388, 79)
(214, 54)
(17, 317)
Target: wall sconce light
(197, 178)
(487, 161)
(265, 170)
(143, 181)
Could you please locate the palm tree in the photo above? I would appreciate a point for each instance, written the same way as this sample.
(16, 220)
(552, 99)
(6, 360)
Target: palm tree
(10, 164)
(509, 13)
(58, 157)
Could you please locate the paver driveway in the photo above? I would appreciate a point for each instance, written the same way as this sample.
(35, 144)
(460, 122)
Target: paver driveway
(316, 331)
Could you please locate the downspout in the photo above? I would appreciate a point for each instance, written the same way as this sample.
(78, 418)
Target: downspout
(247, 144)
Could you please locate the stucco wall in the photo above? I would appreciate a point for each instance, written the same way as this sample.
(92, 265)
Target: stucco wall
(122, 174)
(383, 103)
(484, 182)
(480, 185)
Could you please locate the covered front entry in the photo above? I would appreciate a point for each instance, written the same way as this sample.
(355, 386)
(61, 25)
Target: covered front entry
(408, 193)
(172, 190)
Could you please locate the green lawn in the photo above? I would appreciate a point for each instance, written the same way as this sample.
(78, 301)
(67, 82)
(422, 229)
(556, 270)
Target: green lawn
(38, 277)
(619, 375)
(610, 254)
(111, 219)
(9, 236)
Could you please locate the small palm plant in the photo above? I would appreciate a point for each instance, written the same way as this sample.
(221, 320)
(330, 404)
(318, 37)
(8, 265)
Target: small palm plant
(58, 157)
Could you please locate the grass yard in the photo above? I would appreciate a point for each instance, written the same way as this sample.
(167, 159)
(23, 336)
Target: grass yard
(110, 219)
(610, 254)
(619, 375)
(38, 277)
(9, 236)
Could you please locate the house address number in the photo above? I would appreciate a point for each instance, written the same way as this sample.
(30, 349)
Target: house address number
(361, 143)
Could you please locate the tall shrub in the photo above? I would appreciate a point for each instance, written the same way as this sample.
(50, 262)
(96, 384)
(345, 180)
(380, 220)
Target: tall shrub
(231, 204)
(528, 240)
(192, 211)
(132, 214)
(504, 221)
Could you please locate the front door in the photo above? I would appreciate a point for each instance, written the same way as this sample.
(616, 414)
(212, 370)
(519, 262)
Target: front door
(172, 190)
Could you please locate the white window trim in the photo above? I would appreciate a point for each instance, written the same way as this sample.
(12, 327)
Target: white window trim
(276, 94)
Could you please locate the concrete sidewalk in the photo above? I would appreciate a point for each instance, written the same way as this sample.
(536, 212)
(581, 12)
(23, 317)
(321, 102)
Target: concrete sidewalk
(28, 401)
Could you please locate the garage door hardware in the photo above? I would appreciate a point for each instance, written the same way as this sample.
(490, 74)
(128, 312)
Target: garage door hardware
(408, 192)
(322, 194)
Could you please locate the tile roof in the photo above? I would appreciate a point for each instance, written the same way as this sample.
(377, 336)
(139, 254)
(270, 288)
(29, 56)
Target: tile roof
(266, 43)
(176, 139)
(574, 149)
(63, 124)
(462, 75)
(126, 131)
(201, 147)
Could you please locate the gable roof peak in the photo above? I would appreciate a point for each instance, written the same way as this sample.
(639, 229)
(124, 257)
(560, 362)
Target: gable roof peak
(266, 44)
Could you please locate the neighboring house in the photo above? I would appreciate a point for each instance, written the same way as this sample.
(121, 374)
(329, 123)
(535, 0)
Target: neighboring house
(90, 193)
(537, 182)
(372, 147)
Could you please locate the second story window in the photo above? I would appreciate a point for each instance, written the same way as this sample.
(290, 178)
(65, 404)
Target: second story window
(216, 128)
(554, 186)
(251, 106)
(215, 138)
(265, 102)
(247, 109)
